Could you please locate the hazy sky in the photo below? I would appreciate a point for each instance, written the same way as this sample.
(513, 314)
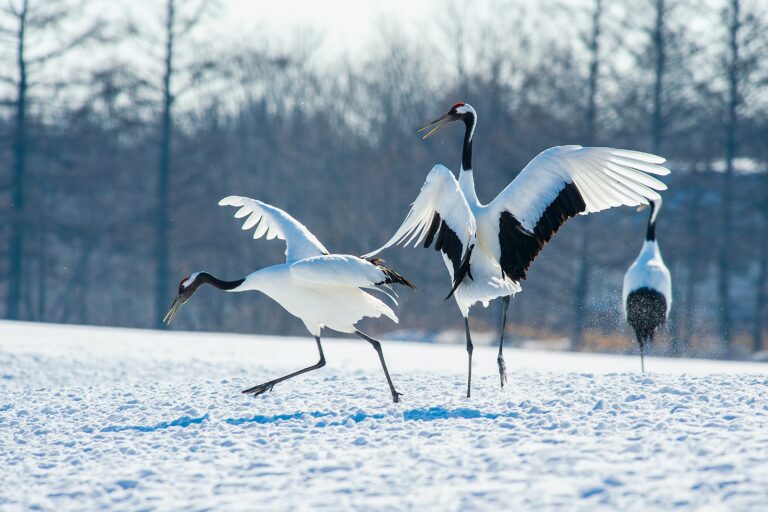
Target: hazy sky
(343, 18)
(349, 27)
(345, 24)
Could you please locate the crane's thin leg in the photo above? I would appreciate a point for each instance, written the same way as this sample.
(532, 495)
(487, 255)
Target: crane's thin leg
(377, 346)
(267, 386)
(642, 355)
(470, 348)
(500, 359)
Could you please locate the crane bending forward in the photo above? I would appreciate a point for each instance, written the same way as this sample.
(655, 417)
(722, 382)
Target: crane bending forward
(489, 247)
(321, 289)
(647, 291)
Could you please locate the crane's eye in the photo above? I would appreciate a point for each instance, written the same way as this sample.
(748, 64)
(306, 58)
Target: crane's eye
(181, 284)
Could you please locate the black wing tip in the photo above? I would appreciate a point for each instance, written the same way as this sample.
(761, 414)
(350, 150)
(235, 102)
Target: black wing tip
(393, 277)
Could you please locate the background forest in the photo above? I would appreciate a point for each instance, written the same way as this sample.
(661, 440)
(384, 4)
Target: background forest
(119, 133)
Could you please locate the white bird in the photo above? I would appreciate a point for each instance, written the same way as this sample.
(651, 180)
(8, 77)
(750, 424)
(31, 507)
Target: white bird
(647, 292)
(321, 289)
(489, 247)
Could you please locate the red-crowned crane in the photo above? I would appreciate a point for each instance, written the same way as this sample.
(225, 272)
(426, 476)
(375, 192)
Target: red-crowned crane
(489, 247)
(321, 289)
(647, 293)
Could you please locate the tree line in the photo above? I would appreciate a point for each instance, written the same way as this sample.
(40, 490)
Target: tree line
(110, 173)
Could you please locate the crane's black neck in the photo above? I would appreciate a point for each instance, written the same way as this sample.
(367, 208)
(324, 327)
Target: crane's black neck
(466, 154)
(650, 233)
(205, 277)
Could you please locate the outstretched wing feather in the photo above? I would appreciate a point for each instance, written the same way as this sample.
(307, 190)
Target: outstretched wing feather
(276, 223)
(440, 214)
(560, 183)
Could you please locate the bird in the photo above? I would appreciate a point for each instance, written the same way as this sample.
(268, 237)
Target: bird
(488, 248)
(323, 290)
(647, 290)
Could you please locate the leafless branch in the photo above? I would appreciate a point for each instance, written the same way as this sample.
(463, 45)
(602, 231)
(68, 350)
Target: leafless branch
(92, 33)
(186, 25)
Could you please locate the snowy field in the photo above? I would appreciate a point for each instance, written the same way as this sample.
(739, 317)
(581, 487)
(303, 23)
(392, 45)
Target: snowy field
(116, 419)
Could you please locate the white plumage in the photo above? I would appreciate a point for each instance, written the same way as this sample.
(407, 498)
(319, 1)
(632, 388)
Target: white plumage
(647, 290)
(321, 289)
(489, 247)
(300, 243)
(648, 271)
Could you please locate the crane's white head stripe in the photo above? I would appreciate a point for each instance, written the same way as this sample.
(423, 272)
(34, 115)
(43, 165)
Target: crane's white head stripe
(191, 279)
(463, 109)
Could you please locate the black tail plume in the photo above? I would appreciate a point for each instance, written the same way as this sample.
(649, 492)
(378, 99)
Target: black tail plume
(392, 276)
(462, 272)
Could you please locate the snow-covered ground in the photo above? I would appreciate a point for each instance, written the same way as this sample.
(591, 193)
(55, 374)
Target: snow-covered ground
(94, 418)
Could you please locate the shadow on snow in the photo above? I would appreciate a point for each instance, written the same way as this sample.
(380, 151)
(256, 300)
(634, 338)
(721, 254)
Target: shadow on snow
(325, 418)
(430, 414)
(184, 421)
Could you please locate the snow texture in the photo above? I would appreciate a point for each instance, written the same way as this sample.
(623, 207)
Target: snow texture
(111, 419)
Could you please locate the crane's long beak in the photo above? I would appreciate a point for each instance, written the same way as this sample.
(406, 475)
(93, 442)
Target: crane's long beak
(175, 307)
(435, 125)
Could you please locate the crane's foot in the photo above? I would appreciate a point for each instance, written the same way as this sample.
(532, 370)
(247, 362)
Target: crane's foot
(396, 396)
(260, 389)
(502, 370)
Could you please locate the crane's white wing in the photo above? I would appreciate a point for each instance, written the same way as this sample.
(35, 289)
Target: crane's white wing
(274, 222)
(339, 270)
(561, 182)
(440, 214)
(349, 276)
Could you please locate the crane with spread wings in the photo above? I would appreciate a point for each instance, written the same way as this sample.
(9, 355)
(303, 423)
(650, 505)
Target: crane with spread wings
(488, 248)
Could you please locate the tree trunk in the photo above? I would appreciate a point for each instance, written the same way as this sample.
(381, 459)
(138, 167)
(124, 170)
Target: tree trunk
(77, 286)
(166, 128)
(42, 281)
(724, 275)
(582, 289)
(657, 127)
(674, 328)
(761, 301)
(689, 310)
(20, 148)
(693, 275)
(585, 263)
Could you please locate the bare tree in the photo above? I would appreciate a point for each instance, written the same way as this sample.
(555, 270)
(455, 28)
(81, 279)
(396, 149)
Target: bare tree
(659, 68)
(731, 126)
(178, 24)
(663, 41)
(744, 57)
(582, 283)
(761, 286)
(164, 164)
(28, 22)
